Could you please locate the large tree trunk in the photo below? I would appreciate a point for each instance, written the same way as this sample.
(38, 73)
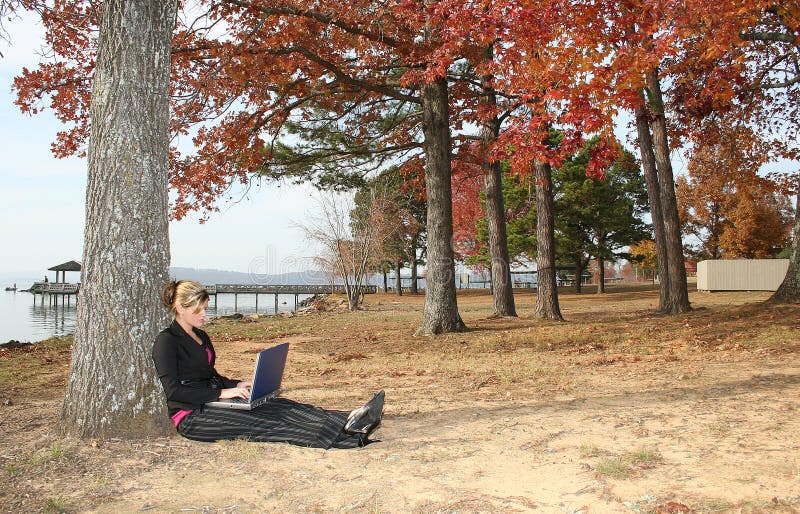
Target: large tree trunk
(441, 310)
(385, 282)
(113, 390)
(654, 196)
(546, 291)
(789, 290)
(398, 283)
(676, 265)
(502, 292)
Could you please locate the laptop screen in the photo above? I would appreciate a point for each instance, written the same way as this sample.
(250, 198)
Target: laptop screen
(269, 370)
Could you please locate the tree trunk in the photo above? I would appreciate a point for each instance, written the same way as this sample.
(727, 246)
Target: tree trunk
(676, 264)
(546, 291)
(353, 299)
(789, 290)
(502, 292)
(578, 274)
(385, 281)
(414, 273)
(113, 390)
(601, 276)
(654, 196)
(440, 313)
(398, 284)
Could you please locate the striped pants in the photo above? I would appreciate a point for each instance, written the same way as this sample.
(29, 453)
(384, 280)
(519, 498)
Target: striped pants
(278, 420)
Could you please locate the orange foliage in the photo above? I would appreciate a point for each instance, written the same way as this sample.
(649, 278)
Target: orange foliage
(726, 205)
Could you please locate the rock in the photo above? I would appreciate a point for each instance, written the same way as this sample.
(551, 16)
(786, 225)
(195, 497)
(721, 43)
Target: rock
(15, 345)
(233, 316)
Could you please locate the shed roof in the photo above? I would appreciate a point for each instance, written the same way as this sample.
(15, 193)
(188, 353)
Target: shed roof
(67, 266)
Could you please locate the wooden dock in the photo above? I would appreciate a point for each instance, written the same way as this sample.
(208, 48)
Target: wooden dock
(65, 291)
(54, 290)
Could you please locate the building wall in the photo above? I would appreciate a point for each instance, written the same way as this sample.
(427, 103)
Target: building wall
(741, 274)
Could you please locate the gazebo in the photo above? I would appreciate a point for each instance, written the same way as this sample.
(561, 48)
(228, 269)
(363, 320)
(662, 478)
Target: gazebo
(63, 268)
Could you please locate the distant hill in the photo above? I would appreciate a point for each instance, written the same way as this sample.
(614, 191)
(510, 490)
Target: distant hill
(215, 276)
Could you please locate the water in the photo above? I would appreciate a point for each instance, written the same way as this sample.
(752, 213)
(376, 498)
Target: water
(21, 320)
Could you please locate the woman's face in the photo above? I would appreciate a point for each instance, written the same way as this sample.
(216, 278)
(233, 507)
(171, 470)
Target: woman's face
(194, 316)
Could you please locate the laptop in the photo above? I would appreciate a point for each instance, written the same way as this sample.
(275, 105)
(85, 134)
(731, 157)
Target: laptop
(266, 380)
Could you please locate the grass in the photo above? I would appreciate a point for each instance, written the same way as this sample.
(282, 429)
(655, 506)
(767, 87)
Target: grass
(587, 450)
(615, 467)
(628, 464)
(11, 469)
(242, 450)
(53, 506)
(645, 457)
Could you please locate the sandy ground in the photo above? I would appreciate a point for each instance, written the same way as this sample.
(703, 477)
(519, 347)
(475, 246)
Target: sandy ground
(589, 427)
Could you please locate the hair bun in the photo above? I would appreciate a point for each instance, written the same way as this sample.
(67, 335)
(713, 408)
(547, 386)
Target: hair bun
(168, 294)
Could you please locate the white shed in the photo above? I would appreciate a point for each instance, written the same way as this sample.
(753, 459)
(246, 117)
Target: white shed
(741, 274)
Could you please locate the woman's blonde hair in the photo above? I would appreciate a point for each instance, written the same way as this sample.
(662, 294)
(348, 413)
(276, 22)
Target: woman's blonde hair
(186, 293)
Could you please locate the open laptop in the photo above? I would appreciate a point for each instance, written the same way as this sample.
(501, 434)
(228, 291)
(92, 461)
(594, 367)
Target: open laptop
(266, 380)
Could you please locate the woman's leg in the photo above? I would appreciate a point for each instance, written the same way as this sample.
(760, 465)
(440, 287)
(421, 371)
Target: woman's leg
(278, 420)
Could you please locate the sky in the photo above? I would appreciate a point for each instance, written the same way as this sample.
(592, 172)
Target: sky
(42, 198)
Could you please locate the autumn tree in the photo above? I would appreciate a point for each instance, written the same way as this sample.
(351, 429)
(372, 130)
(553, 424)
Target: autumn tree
(643, 256)
(355, 67)
(112, 389)
(623, 57)
(725, 205)
(744, 69)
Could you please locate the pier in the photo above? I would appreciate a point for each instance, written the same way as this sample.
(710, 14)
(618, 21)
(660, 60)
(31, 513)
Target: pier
(259, 289)
(54, 291)
(64, 291)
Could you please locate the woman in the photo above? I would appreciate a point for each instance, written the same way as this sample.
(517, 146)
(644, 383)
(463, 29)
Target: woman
(184, 359)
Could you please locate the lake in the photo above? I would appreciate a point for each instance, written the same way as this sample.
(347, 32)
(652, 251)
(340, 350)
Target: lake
(21, 320)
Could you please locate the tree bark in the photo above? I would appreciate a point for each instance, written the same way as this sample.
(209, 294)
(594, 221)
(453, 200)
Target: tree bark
(502, 291)
(578, 274)
(601, 276)
(113, 390)
(440, 313)
(676, 265)
(546, 290)
(398, 284)
(654, 196)
(414, 289)
(385, 282)
(789, 290)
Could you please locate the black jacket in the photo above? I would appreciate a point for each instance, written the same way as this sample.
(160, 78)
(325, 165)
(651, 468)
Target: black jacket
(189, 380)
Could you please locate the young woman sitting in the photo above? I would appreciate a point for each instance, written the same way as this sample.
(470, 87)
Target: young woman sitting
(184, 359)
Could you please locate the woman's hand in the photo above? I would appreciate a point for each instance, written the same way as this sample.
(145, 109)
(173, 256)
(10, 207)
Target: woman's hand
(235, 392)
(245, 383)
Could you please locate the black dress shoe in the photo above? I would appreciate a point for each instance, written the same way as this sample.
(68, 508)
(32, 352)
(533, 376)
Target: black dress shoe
(364, 419)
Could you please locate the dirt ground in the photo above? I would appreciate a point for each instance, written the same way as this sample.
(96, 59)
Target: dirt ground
(617, 409)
